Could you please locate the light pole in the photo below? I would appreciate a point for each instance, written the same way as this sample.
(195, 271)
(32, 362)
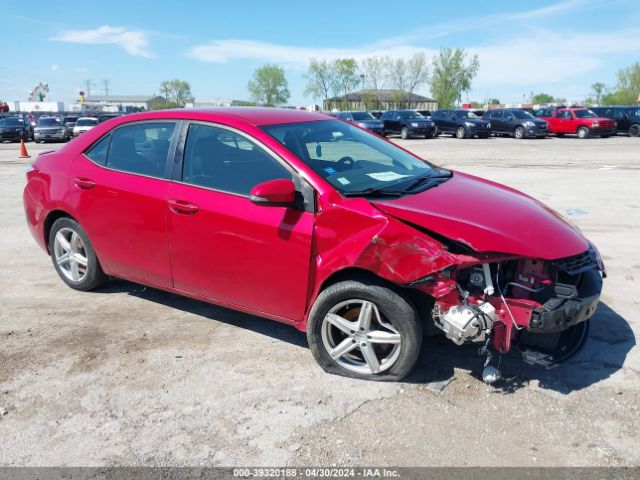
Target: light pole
(364, 106)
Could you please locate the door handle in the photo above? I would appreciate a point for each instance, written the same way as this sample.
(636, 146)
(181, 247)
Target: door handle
(84, 183)
(180, 206)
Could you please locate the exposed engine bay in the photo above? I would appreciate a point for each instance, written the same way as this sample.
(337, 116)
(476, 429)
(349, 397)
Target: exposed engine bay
(540, 306)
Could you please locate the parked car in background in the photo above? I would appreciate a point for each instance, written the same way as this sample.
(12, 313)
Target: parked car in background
(70, 121)
(546, 112)
(51, 128)
(15, 128)
(333, 230)
(84, 124)
(108, 116)
(580, 121)
(627, 118)
(516, 122)
(460, 123)
(407, 123)
(364, 120)
(424, 113)
(376, 113)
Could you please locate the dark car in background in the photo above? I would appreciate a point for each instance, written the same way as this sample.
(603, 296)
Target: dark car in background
(364, 120)
(15, 128)
(51, 129)
(460, 123)
(627, 118)
(516, 122)
(424, 113)
(407, 123)
(108, 116)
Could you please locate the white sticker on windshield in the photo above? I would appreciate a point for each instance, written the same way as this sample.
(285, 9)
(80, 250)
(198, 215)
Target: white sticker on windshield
(386, 176)
(343, 181)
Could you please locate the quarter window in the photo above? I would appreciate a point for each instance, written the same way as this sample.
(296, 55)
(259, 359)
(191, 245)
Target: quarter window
(98, 152)
(141, 148)
(223, 160)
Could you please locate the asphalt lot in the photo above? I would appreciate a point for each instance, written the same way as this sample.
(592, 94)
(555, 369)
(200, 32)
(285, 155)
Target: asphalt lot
(129, 375)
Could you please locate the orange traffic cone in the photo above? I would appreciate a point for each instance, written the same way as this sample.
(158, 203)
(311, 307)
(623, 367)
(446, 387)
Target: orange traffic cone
(23, 150)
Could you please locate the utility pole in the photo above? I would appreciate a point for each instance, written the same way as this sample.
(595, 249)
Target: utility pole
(105, 84)
(88, 84)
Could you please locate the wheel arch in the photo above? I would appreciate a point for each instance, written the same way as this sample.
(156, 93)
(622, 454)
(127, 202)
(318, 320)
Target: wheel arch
(52, 216)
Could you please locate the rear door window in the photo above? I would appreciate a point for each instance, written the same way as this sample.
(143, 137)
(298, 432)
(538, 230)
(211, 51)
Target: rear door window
(98, 151)
(141, 148)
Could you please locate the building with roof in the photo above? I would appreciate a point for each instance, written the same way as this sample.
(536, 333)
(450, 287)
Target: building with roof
(387, 99)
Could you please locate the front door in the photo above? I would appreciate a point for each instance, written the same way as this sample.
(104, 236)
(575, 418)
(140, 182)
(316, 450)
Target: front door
(223, 246)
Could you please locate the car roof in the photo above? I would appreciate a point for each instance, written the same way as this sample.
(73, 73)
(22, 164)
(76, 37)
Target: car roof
(256, 116)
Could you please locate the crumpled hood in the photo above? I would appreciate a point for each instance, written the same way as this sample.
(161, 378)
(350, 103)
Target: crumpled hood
(488, 217)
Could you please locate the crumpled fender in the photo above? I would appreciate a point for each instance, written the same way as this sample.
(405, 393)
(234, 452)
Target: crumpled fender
(381, 245)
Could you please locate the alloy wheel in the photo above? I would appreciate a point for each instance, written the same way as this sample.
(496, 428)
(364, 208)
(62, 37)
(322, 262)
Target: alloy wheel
(634, 131)
(357, 338)
(70, 254)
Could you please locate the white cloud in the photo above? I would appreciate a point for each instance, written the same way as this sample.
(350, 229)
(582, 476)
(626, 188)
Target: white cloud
(134, 42)
(55, 67)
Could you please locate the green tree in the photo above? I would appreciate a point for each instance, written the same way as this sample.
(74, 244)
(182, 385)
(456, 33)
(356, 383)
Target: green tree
(176, 92)
(269, 86)
(540, 98)
(598, 89)
(346, 76)
(320, 79)
(627, 90)
(452, 76)
(376, 74)
(493, 101)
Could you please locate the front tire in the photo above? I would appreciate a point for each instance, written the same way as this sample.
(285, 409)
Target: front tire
(634, 130)
(404, 133)
(583, 132)
(364, 329)
(519, 133)
(461, 132)
(73, 256)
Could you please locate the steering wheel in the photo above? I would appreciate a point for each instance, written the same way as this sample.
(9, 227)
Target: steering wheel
(344, 163)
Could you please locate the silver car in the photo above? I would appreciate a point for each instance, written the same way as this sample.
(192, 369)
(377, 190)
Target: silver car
(51, 129)
(84, 124)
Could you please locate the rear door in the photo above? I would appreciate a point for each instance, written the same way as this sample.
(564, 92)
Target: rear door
(497, 121)
(119, 192)
(223, 246)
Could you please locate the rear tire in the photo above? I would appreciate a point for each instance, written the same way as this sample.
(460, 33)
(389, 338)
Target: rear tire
(342, 339)
(460, 132)
(73, 256)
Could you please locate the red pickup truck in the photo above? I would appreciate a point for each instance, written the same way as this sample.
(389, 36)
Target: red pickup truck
(580, 121)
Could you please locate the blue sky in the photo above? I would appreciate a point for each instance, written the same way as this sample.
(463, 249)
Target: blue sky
(560, 47)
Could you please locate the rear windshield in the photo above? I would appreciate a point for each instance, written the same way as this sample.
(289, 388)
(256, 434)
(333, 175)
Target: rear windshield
(86, 122)
(48, 122)
(465, 114)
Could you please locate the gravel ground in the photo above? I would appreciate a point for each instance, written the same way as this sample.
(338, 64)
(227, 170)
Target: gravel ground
(129, 375)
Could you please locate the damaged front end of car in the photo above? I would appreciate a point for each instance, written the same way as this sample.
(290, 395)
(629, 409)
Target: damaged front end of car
(540, 306)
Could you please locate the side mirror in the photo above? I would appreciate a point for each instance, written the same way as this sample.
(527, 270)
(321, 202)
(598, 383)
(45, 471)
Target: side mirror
(274, 193)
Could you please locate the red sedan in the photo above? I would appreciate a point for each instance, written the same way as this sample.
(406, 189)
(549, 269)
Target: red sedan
(311, 221)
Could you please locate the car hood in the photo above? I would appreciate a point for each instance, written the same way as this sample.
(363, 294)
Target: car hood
(474, 120)
(488, 217)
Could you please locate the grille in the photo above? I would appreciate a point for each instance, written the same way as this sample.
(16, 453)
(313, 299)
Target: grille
(578, 263)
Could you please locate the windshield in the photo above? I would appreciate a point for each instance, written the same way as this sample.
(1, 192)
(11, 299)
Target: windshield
(362, 116)
(410, 115)
(85, 122)
(351, 160)
(522, 114)
(48, 122)
(465, 114)
(584, 114)
(11, 122)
